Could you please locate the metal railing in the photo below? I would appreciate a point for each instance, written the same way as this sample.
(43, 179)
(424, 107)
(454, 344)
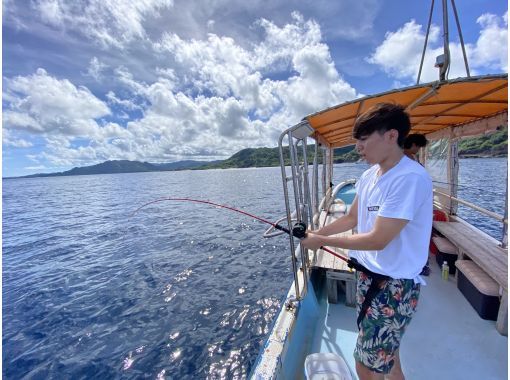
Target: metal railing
(491, 214)
(303, 205)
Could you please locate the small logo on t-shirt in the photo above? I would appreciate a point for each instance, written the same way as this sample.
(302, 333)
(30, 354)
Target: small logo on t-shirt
(373, 208)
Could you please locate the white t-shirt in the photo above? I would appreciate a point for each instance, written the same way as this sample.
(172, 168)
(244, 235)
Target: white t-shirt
(403, 192)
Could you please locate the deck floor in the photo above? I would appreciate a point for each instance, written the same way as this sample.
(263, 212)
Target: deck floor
(445, 340)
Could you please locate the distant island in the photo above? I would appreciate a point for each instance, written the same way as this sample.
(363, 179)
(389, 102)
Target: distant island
(246, 158)
(493, 145)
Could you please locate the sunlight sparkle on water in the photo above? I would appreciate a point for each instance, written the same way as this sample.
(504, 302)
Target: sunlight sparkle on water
(128, 362)
(176, 354)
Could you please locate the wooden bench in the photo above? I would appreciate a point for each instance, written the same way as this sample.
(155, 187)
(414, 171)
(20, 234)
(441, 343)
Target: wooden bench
(486, 253)
(338, 274)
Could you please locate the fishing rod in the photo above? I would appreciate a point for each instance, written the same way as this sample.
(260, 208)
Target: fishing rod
(298, 230)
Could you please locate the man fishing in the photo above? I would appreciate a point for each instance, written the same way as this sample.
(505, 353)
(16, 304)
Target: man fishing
(392, 211)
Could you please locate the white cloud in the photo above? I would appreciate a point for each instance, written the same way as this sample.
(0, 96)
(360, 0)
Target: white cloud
(124, 76)
(128, 104)
(21, 121)
(51, 12)
(9, 139)
(318, 84)
(96, 68)
(400, 53)
(18, 143)
(107, 22)
(280, 44)
(491, 48)
(235, 103)
(214, 98)
(220, 66)
(43, 104)
(167, 73)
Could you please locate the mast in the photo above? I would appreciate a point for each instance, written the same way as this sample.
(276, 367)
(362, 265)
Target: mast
(443, 61)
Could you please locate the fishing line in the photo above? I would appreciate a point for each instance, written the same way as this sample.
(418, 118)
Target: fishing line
(298, 230)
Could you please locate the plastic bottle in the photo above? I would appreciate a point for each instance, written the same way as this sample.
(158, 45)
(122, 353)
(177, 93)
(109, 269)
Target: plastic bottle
(445, 270)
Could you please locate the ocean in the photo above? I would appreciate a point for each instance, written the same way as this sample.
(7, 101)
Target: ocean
(177, 291)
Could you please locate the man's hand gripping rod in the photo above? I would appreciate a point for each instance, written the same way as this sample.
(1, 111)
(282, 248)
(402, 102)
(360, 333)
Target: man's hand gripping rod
(299, 231)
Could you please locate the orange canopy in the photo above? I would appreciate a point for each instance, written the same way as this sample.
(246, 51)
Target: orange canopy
(431, 106)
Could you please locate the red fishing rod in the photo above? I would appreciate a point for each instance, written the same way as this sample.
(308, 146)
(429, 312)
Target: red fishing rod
(298, 230)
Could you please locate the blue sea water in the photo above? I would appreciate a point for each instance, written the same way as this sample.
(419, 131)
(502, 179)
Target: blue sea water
(178, 291)
(483, 182)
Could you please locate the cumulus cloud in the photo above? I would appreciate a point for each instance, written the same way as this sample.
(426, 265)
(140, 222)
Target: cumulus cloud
(157, 81)
(400, 53)
(51, 108)
(491, 48)
(234, 102)
(43, 104)
(214, 98)
(220, 66)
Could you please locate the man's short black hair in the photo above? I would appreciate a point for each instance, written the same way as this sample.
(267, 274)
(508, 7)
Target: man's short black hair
(381, 118)
(417, 139)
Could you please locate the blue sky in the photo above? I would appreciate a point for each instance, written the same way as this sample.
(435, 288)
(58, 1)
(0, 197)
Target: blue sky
(168, 80)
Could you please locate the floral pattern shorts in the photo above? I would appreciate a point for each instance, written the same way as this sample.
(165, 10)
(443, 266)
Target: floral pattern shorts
(385, 322)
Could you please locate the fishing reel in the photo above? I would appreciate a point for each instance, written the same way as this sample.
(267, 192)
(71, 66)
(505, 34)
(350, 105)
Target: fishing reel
(299, 230)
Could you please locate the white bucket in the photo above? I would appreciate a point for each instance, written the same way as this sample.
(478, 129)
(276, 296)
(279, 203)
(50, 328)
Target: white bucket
(326, 366)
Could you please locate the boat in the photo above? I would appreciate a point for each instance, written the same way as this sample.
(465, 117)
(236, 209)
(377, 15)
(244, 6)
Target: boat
(315, 332)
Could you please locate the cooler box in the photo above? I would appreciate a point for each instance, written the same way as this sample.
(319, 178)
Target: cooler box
(446, 251)
(479, 288)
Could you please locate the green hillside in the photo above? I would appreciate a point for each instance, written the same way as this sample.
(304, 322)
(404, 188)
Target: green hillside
(492, 145)
(263, 157)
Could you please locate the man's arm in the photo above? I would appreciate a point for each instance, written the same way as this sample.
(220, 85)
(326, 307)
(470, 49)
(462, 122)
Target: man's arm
(342, 224)
(384, 231)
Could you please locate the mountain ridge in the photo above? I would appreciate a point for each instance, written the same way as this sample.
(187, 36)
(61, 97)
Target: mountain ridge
(249, 157)
(493, 145)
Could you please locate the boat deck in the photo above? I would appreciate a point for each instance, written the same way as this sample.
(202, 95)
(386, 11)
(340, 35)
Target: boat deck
(324, 259)
(445, 340)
